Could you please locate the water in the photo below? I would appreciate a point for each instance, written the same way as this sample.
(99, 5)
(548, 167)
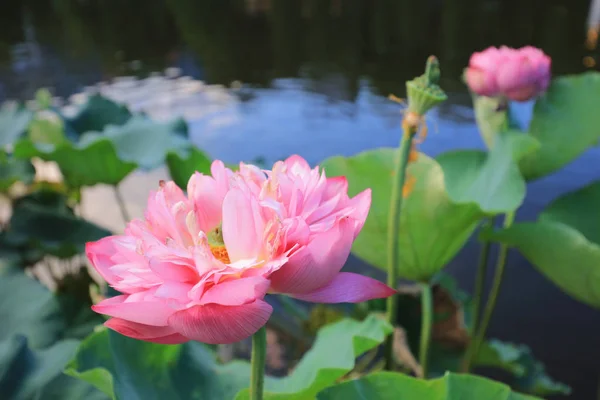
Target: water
(311, 77)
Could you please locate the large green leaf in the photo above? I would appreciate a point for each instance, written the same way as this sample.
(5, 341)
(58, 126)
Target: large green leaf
(125, 368)
(85, 164)
(491, 180)
(42, 317)
(182, 167)
(143, 141)
(563, 245)
(27, 374)
(32, 350)
(561, 253)
(433, 227)
(42, 220)
(47, 128)
(390, 385)
(28, 308)
(14, 170)
(13, 123)
(24, 373)
(565, 121)
(330, 358)
(97, 113)
(579, 209)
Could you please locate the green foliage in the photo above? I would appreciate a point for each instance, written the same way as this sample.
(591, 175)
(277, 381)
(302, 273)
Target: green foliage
(182, 167)
(332, 356)
(25, 372)
(35, 342)
(88, 163)
(389, 385)
(39, 317)
(43, 220)
(565, 122)
(43, 98)
(427, 209)
(564, 244)
(14, 170)
(143, 141)
(49, 130)
(450, 197)
(125, 368)
(491, 180)
(97, 113)
(453, 320)
(13, 123)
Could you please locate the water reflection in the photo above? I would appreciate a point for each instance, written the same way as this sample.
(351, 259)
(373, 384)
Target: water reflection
(69, 43)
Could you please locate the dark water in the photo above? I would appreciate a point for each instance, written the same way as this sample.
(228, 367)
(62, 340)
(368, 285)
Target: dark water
(316, 74)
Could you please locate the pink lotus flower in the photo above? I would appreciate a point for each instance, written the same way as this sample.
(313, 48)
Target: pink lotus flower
(197, 267)
(518, 74)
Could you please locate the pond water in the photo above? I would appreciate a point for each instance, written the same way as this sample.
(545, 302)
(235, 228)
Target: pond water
(311, 77)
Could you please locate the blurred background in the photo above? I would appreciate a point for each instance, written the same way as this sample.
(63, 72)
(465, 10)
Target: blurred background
(258, 80)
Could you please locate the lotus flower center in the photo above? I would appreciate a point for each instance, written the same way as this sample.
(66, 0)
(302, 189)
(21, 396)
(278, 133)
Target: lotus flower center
(217, 245)
(220, 253)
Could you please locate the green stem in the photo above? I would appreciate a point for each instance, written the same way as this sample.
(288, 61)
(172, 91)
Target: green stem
(426, 322)
(480, 280)
(393, 234)
(121, 203)
(493, 297)
(257, 360)
(478, 295)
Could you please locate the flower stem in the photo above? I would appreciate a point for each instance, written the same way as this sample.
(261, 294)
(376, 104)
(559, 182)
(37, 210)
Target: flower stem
(480, 280)
(258, 357)
(394, 232)
(426, 321)
(493, 297)
(121, 203)
(478, 294)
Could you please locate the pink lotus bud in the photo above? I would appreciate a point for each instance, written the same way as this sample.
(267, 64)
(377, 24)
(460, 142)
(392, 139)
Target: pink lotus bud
(517, 74)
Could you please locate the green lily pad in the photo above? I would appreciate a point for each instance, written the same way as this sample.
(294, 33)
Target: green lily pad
(390, 385)
(579, 209)
(34, 344)
(563, 243)
(27, 373)
(433, 228)
(97, 113)
(565, 122)
(48, 129)
(331, 357)
(182, 167)
(143, 141)
(535, 380)
(14, 120)
(491, 180)
(14, 170)
(125, 368)
(85, 164)
(39, 317)
(43, 220)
